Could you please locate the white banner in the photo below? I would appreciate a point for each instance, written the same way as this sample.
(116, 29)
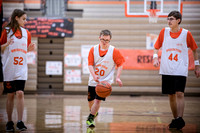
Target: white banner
(85, 68)
(150, 40)
(72, 60)
(85, 49)
(53, 67)
(31, 57)
(72, 76)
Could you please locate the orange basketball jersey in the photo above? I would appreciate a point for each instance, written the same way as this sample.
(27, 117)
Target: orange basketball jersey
(104, 66)
(174, 59)
(14, 58)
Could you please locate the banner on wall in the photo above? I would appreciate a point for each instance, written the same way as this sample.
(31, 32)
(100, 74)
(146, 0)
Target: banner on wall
(72, 76)
(53, 68)
(143, 59)
(85, 49)
(72, 60)
(151, 40)
(84, 54)
(85, 68)
(48, 27)
(31, 57)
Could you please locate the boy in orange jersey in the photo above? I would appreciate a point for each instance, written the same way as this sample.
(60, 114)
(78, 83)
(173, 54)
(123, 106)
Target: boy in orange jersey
(175, 42)
(108, 56)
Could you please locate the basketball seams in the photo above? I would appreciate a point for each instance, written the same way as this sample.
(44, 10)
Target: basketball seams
(100, 85)
(103, 89)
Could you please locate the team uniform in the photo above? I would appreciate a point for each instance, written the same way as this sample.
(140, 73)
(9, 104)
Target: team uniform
(104, 63)
(174, 59)
(14, 59)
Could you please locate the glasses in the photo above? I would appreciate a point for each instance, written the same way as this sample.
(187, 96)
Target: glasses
(105, 40)
(170, 19)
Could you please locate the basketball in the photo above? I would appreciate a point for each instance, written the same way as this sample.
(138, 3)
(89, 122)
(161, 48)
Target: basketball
(103, 89)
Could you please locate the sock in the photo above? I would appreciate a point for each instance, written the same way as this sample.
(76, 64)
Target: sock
(91, 116)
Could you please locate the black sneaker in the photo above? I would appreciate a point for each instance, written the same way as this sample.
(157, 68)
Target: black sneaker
(90, 121)
(173, 124)
(21, 126)
(10, 126)
(181, 123)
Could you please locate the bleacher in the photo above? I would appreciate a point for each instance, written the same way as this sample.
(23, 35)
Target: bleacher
(128, 33)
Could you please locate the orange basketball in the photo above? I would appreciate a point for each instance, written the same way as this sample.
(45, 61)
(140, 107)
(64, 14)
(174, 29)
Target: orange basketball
(103, 89)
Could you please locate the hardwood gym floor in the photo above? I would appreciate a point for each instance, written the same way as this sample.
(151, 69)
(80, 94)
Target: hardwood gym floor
(118, 114)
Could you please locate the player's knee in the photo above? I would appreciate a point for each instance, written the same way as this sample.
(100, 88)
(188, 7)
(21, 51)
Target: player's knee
(97, 101)
(172, 97)
(10, 96)
(19, 94)
(179, 94)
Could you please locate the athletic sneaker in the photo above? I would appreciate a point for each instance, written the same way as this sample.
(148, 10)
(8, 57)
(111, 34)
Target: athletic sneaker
(178, 123)
(173, 124)
(90, 121)
(21, 126)
(96, 115)
(10, 126)
(181, 123)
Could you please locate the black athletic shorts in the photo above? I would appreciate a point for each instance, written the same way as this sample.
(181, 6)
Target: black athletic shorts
(172, 84)
(92, 94)
(13, 86)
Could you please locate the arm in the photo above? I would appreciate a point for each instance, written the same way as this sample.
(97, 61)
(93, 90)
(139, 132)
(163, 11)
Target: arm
(157, 46)
(192, 44)
(91, 65)
(155, 58)
(31, 47)
(197, 68)
(9, 42)
(119, 60)
(95, 77)
(118, 80)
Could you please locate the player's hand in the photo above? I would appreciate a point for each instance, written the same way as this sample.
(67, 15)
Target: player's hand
(96, 78)
(156, 62)
(119, 82)
(31, 47)
(197, 71)
(9, 42)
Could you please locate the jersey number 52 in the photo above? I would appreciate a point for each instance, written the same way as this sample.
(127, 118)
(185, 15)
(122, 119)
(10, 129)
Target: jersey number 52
(18, 61)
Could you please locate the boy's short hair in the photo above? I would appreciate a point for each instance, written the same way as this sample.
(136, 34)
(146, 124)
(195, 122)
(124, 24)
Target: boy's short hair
(176, 14)
(106, 33)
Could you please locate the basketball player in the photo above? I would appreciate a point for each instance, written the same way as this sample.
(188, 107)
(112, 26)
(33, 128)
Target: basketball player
(102, 60)
(14, 42)
(175, 42)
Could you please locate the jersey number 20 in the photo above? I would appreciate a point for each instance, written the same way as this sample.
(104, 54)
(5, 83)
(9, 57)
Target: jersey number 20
(101, 72)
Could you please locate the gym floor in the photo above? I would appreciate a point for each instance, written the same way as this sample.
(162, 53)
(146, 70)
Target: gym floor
(118, 114)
